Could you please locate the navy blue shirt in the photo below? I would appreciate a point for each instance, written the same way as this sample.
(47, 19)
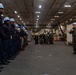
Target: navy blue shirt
(2, 30)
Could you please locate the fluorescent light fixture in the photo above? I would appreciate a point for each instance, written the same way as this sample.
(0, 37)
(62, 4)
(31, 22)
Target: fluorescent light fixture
(38, 16)
(18, 16)
(37, 12)
(37, 19)
(67, 6)
(40, 6)
(15, 12)
(20, 19)
(2, 15)
(60, 12)
(52, 19)
(56, 16)
(70, 19)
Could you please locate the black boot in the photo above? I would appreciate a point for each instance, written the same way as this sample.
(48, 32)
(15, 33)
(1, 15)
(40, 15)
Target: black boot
(74, 52)
(1, 67)
(4, 63)
(0, 70)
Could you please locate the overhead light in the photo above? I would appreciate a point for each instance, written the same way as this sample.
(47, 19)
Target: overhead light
(40, 6)
(15, 12)
(38, 16)
(52, 19)
(67, 6)
(2, 15)
(70, 19)
(37, 12)
(20, 19)
(56, 16)
(37, 19)
(18, 16)
(60, 12)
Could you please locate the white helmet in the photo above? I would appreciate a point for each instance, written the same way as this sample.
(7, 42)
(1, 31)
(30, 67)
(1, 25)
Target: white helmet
(16, 25)
(6, 19)
(23, 28)
(12, 20)
(1, 6)
(18, 29)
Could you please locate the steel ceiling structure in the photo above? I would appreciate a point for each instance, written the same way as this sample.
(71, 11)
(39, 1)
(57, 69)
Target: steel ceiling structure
(50, 8)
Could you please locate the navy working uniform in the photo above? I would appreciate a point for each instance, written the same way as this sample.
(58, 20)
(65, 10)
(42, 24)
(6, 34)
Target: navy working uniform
(13, 32)
(41, 37)
(22, 33)
(10, 39)
(36, 38)
(50, 37)
(14, 37)
(18, 39)
(46, 38)
(3, 37)
(7, 42)
(25, 38)
(73, 32)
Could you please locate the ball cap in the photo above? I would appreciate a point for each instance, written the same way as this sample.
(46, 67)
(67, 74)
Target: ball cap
(6, 19)
(21, 27)
(1, 6)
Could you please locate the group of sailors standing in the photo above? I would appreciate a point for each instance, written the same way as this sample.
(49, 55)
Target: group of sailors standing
(44, 38)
